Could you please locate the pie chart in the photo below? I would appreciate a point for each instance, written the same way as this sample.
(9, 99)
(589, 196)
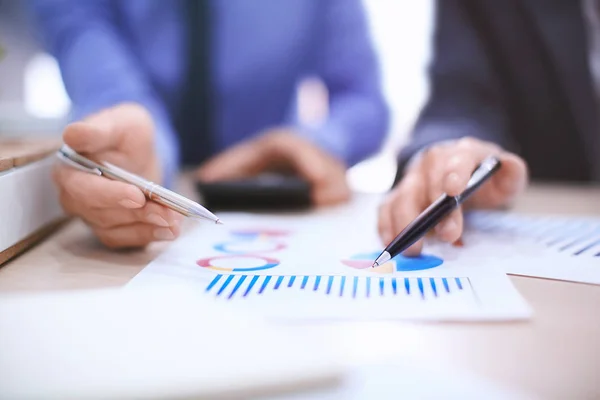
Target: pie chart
(397, 264)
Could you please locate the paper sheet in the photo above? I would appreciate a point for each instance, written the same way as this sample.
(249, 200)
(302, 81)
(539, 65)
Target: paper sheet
(546, 246)
(317, 266)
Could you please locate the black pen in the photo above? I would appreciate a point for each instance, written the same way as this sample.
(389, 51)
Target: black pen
(437, 211)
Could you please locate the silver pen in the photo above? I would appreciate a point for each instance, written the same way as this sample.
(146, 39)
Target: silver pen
(154, 192)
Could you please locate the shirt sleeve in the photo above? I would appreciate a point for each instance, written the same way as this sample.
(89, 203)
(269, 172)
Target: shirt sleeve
(466, 96)
(98, 67)
(358, 115)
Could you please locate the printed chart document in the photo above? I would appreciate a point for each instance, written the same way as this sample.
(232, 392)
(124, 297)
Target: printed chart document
(545, 246)
(318, 266)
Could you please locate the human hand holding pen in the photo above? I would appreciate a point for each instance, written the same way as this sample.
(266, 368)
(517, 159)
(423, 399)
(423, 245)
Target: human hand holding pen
(446, 168)
(118, 213)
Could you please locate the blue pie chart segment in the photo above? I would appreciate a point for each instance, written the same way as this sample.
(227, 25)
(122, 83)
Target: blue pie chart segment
(401, 263)
(424, 261)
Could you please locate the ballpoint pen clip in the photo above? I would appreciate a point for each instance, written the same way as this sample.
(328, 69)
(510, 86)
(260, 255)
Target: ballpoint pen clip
(64, 158)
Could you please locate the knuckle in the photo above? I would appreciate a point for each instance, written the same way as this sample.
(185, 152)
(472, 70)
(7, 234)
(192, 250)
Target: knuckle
(101, 221)
(434, 152)
(467, 142)
(454, 161)
(67, 203)
(107, 239)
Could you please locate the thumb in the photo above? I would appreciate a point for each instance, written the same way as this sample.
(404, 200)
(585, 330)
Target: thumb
(503, 187)
(124, 125)
(238, 162)
(306, 159)
(85, 137)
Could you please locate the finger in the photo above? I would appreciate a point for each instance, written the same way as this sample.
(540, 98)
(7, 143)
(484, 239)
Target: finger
(310, 162)
(86, 137)
(326, 174)
(409, 203)
(433, 167)
(91, 191)
(384, 220)
(152, 213)
(465, 158)
(135, 235)
(450, 229)
(112, 128)
(334, 192)
(510, 180)
(236, 163)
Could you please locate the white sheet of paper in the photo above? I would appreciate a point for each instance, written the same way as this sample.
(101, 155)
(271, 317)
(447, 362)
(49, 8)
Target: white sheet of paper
(149, 343)
(545, 246)
(411, 379)
(317, 266)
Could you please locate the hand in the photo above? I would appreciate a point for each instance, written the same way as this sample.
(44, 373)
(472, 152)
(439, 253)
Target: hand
(117, 212)
(281, 150)
(446, 168)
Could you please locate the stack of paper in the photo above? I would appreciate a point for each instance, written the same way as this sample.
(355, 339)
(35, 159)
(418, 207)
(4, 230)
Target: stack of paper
(29, 204)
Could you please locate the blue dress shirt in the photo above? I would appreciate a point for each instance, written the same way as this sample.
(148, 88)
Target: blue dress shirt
(135, 50)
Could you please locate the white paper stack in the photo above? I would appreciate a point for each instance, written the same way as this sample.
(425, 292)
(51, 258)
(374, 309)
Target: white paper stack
(28, 203)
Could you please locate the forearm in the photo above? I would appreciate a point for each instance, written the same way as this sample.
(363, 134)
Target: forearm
(354, 130)
(358, 115)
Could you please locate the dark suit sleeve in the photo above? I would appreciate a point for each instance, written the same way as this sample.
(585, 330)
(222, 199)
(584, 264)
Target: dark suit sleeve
(465, 93)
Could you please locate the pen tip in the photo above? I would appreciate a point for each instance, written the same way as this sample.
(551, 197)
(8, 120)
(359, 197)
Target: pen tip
(375, 265)
(219, 222)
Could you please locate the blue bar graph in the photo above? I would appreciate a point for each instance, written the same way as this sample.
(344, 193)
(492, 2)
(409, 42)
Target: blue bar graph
(265, 283)
(342, 286)
(234, 286)
(329, 284)
(588, 247)
(225, 284)
(317, 281)
(279, 280)
(213, 282)
(571, 236)
(420, 283)
(237, 285)
(304, 282)
(433, 287)
(458, 283)
(445, 282)
(252, 282)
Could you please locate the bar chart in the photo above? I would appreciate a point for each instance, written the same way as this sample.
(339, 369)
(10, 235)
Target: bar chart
(355, 287)
(571, 236)
(544, 246)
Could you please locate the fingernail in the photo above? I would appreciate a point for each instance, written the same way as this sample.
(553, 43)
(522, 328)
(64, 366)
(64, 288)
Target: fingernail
(128, 203)
(163, 234)
(156, 219)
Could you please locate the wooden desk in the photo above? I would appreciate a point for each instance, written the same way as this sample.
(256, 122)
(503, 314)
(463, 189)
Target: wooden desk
(555, 355)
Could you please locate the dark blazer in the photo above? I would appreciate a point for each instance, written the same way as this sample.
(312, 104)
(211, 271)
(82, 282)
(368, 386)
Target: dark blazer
(514, 72)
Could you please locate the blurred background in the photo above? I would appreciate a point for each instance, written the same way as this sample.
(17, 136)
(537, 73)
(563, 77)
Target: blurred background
(33, 100)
